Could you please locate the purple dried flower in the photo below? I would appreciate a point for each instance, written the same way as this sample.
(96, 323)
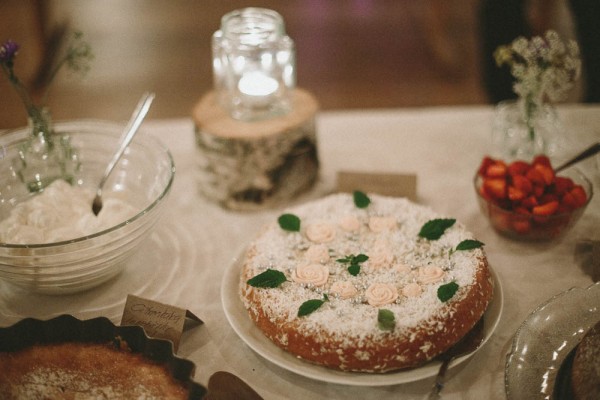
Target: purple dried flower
(8, 50)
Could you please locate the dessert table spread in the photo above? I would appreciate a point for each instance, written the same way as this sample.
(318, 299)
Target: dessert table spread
(196, 243)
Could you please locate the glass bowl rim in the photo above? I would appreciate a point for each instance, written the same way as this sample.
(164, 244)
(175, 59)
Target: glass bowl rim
(63, 124)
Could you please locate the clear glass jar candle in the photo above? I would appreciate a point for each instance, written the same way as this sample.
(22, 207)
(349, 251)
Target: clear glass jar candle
(253, 64)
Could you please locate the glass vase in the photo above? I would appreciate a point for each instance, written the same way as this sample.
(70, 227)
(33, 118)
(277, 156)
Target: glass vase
(521, 131)
(45, 156)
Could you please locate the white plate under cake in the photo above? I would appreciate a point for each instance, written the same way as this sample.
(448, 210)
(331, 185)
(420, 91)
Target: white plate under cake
(368, 284)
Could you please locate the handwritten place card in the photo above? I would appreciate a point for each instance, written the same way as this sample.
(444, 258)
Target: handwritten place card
(387, 184)
(158, 320)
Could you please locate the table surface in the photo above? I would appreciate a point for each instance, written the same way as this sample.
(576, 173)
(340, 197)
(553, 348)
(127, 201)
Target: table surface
(196, 241)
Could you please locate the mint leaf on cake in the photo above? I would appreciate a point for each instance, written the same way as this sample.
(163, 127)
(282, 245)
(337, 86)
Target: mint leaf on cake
(310, 306)
(289, 222)
(434, 229)
(386, 320)
(469, 244)
(447, 291)
(269, 279)
(361, 200)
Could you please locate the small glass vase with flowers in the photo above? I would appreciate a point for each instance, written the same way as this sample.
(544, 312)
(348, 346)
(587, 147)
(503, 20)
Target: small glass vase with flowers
(46, 156)
(544, 69)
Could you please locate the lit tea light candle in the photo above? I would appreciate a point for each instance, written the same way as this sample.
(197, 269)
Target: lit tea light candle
(257, 89)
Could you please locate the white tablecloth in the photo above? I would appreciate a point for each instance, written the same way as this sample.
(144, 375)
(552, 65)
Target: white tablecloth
(184, 260)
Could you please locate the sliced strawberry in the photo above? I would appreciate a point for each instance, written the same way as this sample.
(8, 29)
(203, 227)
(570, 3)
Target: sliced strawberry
(546, 172)
(548, 197)
(538, 191)
(495, 187)
(563, 208)
(521, 226)
(522, 183)
(568, 201)
(518, 168)
(529, 202)
(515, 194)
(579, 194)
(496, 170)
(536, 177)
(484, 194)
(485, 163)
(542, 160)
(522, 210)
(545, 209)
(562, 185)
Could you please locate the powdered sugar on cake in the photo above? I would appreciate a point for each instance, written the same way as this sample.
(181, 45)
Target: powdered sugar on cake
(402, 273)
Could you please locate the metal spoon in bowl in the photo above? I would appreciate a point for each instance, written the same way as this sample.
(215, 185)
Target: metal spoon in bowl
(590, 151)
(132, 127)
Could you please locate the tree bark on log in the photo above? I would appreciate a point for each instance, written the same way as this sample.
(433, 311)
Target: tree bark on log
(246, 165)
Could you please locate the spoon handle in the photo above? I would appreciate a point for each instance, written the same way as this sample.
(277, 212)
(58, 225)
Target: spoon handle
(438, 385)
(136, 120)
(590, 151)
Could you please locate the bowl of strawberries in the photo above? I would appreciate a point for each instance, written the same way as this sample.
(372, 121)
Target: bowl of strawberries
(529, 200)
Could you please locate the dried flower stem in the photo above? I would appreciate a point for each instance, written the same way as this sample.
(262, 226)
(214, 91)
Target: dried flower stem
(77, 58)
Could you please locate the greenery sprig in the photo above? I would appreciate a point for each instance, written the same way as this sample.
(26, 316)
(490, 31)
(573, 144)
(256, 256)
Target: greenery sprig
(353, 262)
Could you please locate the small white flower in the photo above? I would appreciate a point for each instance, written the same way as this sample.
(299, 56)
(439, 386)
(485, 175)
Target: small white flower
(544, 67)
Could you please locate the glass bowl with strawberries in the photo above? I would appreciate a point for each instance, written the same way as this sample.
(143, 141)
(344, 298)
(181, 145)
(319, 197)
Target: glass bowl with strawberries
(528, 200)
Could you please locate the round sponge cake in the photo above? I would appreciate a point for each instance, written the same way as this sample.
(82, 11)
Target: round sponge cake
(365, 283)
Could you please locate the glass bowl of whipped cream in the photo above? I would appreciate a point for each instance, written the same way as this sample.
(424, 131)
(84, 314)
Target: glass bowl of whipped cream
(50, 240)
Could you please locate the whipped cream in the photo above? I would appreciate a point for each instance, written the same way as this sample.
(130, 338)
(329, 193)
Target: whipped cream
(61, 212)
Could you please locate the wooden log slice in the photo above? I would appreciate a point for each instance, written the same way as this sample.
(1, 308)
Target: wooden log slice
(247, 165)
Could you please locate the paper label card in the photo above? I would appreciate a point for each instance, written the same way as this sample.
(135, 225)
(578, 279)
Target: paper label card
(386, 184)
(159, 320)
